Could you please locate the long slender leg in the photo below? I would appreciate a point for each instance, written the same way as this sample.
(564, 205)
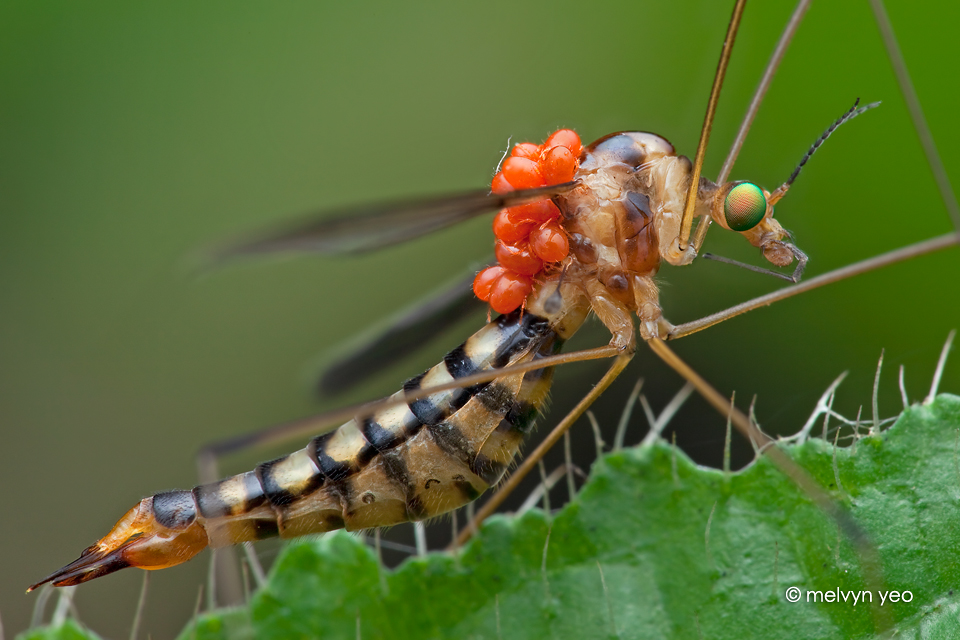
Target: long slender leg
(869, 560)
(916, 113)
(785, 38)
(761, 91)
(687, 221)
(870, 264)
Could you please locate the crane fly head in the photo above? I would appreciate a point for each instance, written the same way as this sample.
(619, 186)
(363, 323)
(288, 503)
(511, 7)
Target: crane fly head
(748, 209)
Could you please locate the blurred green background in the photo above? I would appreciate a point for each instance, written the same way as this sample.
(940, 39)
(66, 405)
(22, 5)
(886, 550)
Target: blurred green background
(132, 134)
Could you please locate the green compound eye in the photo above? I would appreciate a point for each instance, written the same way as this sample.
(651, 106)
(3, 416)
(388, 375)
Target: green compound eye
(744, 207)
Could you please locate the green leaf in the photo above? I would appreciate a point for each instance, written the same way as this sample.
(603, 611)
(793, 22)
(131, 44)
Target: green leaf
(655, 546)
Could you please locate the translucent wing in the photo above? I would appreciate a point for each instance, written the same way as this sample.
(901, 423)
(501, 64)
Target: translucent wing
(368, 227)
(405, 332)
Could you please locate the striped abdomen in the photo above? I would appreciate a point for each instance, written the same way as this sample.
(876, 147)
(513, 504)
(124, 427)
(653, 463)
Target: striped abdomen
(407, 462)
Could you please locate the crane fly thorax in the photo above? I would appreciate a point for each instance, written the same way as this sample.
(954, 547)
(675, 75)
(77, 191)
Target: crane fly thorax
(625, 211)
(619, 214)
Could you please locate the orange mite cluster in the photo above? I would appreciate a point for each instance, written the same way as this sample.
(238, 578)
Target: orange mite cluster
(529, 236)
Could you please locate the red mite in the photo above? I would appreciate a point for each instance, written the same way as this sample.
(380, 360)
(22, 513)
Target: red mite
(530, 239)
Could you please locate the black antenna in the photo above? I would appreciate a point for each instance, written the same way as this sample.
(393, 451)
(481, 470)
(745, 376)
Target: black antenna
(854, 111)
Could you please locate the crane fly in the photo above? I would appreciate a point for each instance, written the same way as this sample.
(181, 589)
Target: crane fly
(560, 296)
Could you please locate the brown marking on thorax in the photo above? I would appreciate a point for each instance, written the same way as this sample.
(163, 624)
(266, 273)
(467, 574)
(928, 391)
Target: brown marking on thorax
(624, 209)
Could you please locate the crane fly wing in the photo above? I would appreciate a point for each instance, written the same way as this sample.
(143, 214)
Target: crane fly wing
(375, 226)
(402, 334)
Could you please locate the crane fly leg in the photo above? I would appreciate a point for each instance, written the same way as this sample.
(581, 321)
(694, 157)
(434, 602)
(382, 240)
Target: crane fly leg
(867, 552)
